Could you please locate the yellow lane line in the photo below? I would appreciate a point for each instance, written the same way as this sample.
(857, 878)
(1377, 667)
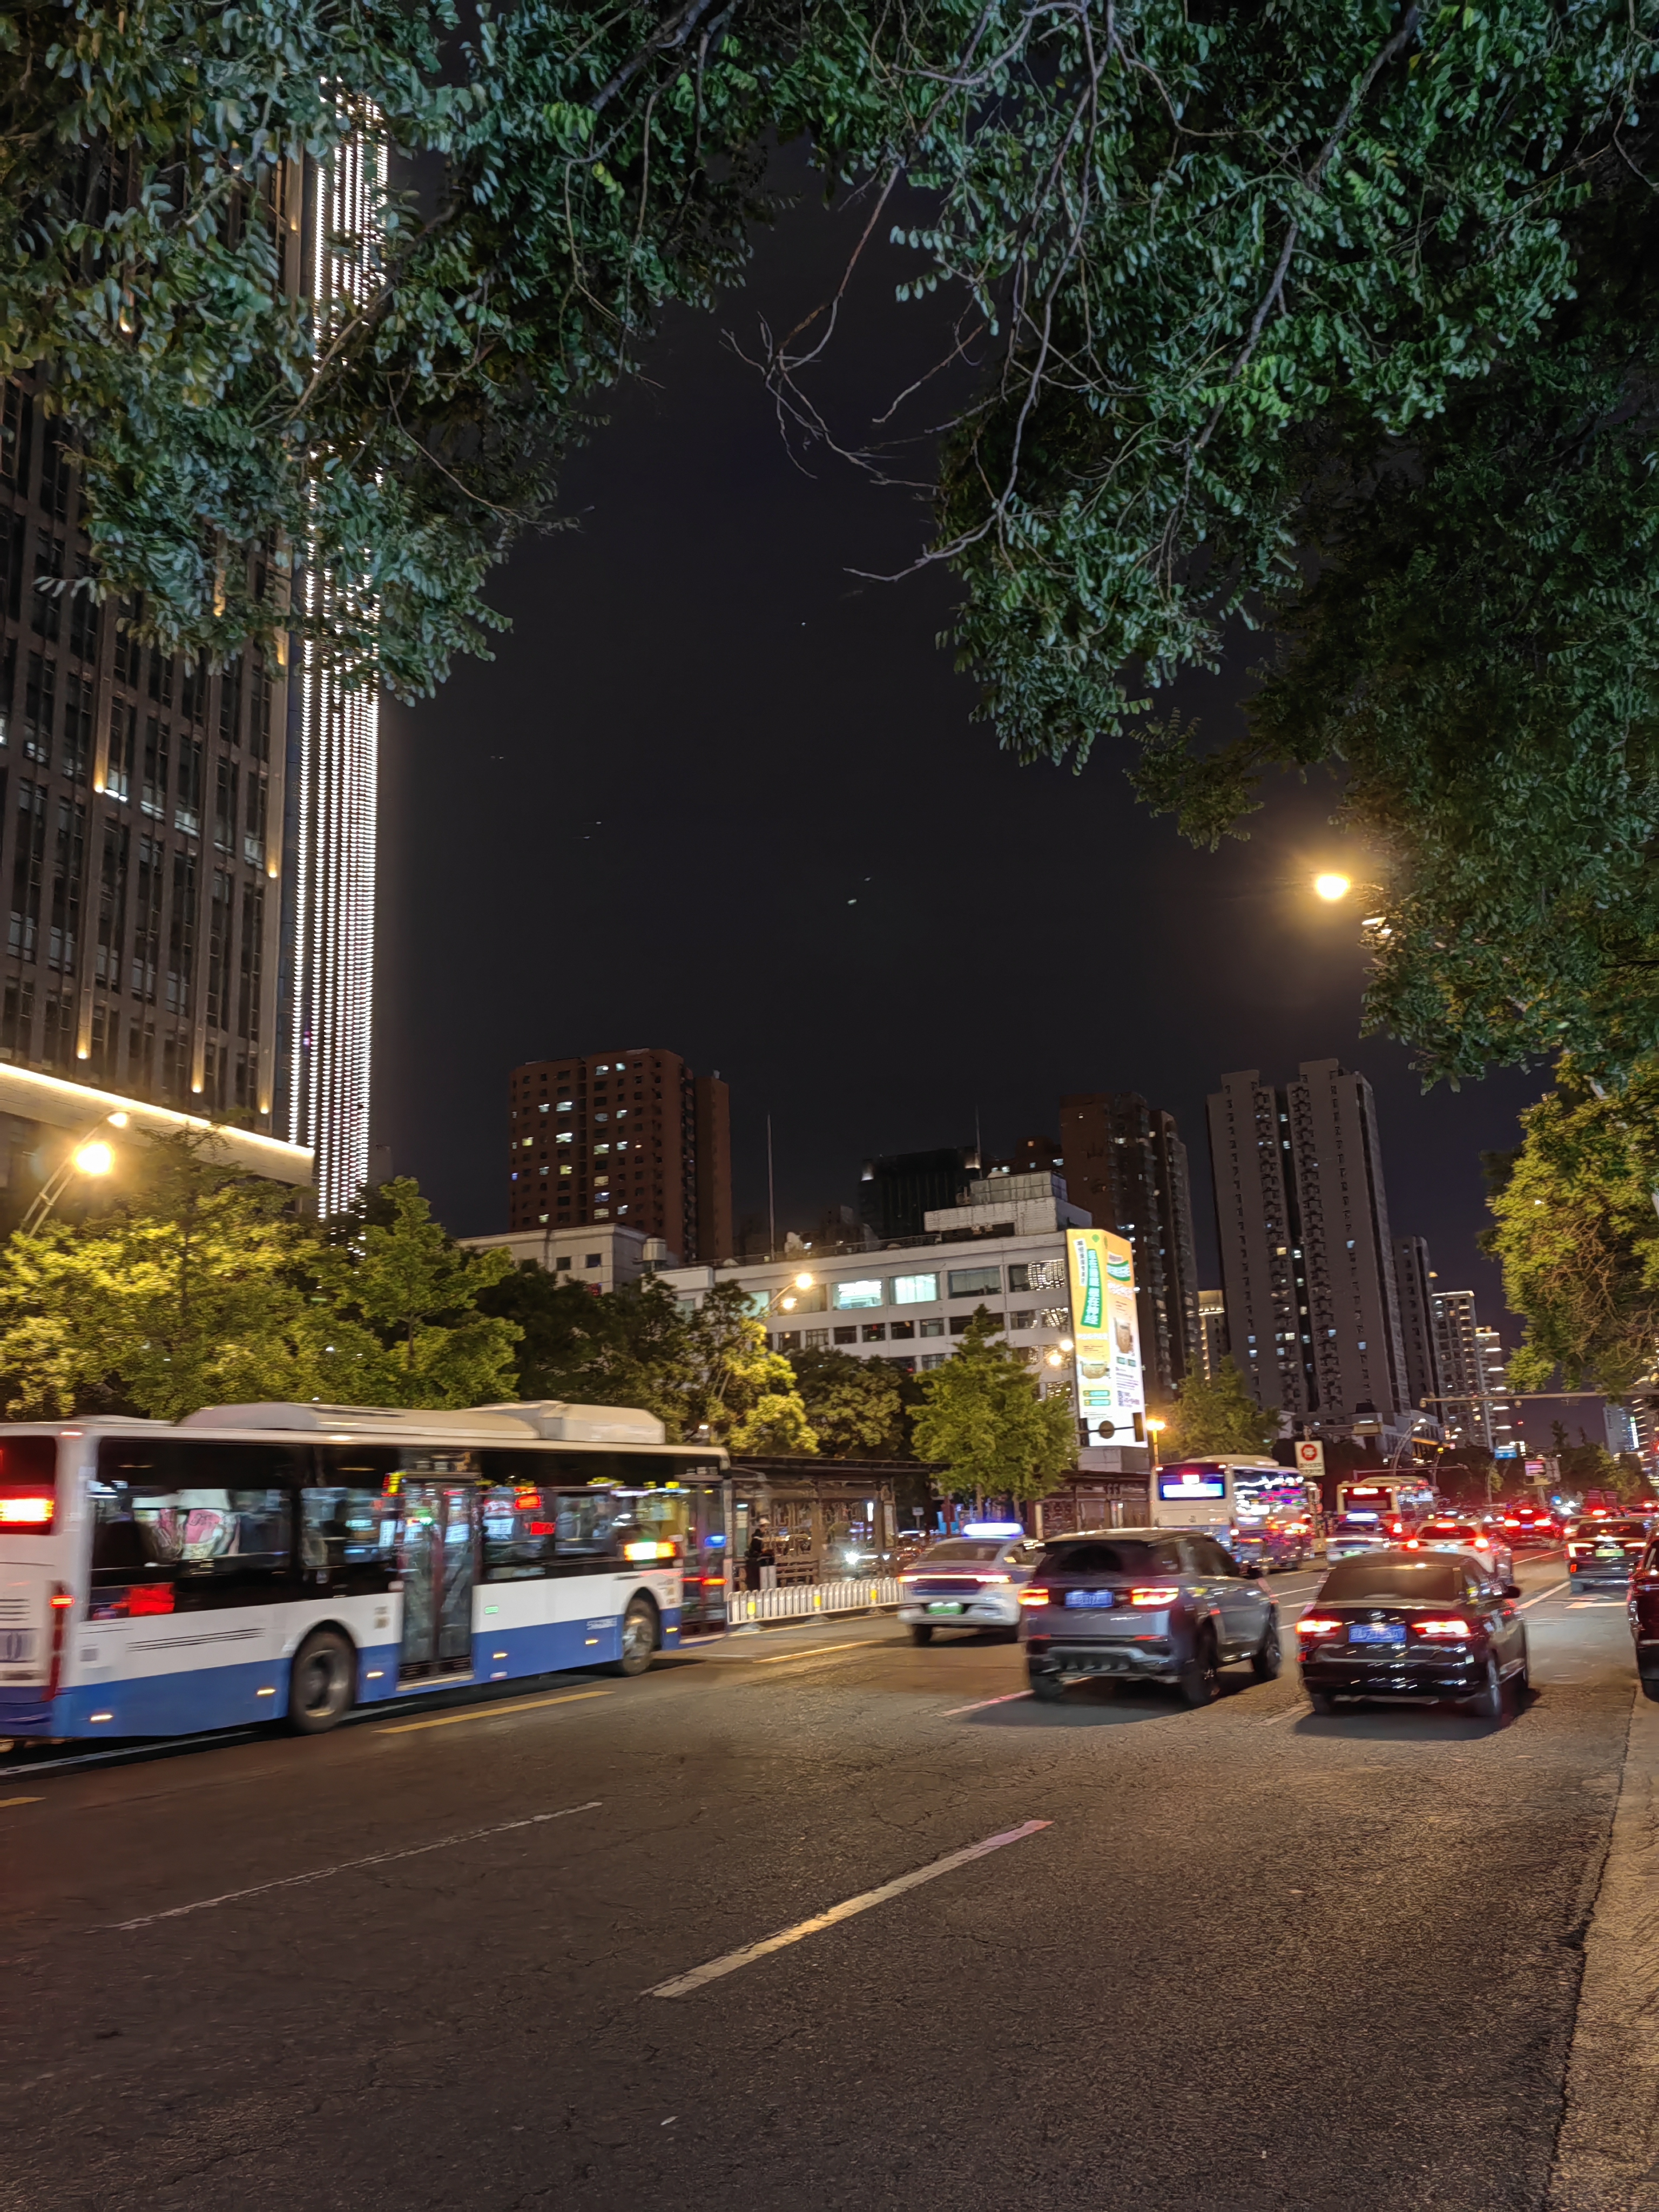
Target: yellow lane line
(491, 1712)
(5, 1801)
(782, 1658)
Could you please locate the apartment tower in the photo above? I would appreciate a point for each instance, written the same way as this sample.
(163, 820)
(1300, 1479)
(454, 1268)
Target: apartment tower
(1457, 1335)
(1307, 1259)
(1126, 1166)
(633, 1138)
(1414, 1282)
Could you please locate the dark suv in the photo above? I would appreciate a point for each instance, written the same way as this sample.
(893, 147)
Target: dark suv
(1160, 1605)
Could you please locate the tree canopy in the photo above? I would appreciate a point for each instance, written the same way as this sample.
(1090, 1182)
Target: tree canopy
(985, 1420)
(1216, 1416)
(1337, 318)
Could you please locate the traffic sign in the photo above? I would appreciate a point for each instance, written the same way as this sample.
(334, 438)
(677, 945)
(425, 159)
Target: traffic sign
(1310, 1458)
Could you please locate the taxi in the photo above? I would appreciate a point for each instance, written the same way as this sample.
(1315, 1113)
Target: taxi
(970, 1581)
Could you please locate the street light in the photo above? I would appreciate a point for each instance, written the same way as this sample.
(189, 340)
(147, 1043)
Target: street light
(89, 1155)
(783, 1301)
(1155, 1429)
(1331, 887)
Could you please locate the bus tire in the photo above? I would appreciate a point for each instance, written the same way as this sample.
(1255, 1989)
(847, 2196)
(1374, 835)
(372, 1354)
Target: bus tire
(321, 1683)
(641, 1635)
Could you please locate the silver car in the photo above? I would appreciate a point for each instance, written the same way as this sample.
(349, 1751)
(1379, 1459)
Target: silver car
(1159, 1605)
(967, 1582)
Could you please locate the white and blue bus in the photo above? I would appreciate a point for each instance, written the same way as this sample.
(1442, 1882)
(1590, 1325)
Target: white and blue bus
(253, 1563)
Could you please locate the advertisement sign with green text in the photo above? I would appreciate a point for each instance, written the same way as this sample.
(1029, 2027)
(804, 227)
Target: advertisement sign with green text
(1110, 1396)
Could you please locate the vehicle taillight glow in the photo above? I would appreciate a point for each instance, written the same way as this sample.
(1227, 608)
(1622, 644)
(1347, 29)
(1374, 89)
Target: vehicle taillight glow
(1155, 1596)
(27, 1512)
(1573, 1548)
(1457, 1631)
(1309, 1625)
(993, 1578)
(1032, 1595)
(62, 1600)
(638, 1552)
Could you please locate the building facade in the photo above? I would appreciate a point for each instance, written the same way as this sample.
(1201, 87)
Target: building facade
(1307, 1257)
(632, 1138)
(1212, 1343)
(1126, 1166)
(1503, 1414)
(899, 1189)
(602, 1255)
(1414, 1281)
(1465, 1413)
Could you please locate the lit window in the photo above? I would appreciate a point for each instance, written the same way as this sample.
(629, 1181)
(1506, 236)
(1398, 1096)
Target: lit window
(565, 1105)
(862, 1293)
(565, 1137)
(914, 1289)
(974, 1282)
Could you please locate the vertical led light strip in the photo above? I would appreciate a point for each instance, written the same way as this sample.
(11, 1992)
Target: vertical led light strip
(330, 1042)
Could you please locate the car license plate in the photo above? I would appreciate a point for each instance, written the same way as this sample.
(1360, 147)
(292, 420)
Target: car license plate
(1100, 1599)
(1611, 1552)
(947, 1605)
(16, 1644)
(1376, 1632)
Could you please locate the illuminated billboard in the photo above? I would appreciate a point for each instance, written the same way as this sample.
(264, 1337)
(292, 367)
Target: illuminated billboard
(1110, 1396)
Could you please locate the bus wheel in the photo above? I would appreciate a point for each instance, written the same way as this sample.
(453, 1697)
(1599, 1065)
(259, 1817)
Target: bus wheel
(320, 1690)
(638, 1636)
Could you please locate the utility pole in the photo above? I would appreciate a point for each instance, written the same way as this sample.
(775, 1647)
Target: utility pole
(771, 1197)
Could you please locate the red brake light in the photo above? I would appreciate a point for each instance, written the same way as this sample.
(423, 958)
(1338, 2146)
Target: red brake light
(61, 1600)
(1309, 1625)
(1154, 1597)
(1458, 1631)
(1411, 1544)
(34, 1512)
(1032, 1595)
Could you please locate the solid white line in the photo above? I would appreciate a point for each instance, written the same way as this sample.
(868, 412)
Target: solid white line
(346, 1866)
(1012, 1697)
(501, 1708)
(683, 1985)
(1542, 1594)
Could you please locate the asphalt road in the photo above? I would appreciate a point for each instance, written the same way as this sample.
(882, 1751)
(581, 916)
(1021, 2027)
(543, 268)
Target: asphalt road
(1253, 1959)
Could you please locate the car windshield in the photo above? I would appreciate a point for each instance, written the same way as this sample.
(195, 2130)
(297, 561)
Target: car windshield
(1120, 1558)
(958, 1548)
(1407, 1582)
(1464, 1528)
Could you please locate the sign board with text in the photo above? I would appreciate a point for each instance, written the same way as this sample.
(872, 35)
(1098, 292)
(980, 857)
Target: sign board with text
(1111, 1396)
(1310, 1458)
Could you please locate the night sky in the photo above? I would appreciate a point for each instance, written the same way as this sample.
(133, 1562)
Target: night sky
(717, 793)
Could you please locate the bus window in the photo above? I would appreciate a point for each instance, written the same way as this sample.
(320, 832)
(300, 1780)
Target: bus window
(162, 1522)
(346, 1525)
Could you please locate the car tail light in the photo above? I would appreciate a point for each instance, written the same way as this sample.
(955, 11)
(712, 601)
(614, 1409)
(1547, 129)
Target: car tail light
(1411, 1544)
(993, 1578)
(1032, 1595)
(33, 1512)
(1311, 1624)
(1483, 1543)
(1573, 1550)
(1456, 1630)
(1155, 1596)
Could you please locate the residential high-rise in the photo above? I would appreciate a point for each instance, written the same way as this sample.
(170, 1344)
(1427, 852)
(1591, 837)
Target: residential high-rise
(633, 1138)
(1414, 1282)
(1212, 1345)
(1126, 1166)
(1307, 1260)
(1463, 1379)
(1503, 1414)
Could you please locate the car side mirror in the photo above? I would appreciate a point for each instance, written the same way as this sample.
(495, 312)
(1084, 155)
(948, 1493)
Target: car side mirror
(1512, 1589)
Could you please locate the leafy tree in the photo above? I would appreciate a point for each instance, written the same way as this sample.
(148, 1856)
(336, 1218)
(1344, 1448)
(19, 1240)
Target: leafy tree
(189, 1293)
(744, 1394)
(1577, 1230)
(984, 1419)
(856, 1406)
(1217, 1416)
(630, 1346)
(401, 1297)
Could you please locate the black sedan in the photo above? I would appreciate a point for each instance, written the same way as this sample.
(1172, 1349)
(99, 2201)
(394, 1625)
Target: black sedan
(1413, 1625)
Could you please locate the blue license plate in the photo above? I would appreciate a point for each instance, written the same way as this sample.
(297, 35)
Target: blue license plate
(1376, 1632)
(1100, 1599)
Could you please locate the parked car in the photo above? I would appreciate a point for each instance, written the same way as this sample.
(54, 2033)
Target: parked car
(1413, 1625)
(1643, 1605)
(1159, 1605)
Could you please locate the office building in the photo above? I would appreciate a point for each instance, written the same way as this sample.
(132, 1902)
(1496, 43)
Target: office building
(142, 849)
(633, 1138)
(1307, 1260)
(1212, 1345)
(1414, 1283)
(1462, 1380)
(1126, 1166)
(897, 1190)
(600, 1255)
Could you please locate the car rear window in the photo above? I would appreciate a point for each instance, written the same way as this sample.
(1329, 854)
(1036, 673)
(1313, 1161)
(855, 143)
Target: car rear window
(959, 1549)
(1125, 1559)
(1414, 1581)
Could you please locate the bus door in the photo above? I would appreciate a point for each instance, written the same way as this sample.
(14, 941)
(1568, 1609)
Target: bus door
(436, 1562)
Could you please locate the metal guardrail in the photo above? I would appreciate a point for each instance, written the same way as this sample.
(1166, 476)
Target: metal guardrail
(805, 1600)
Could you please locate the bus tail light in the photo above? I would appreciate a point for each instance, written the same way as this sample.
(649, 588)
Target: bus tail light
(63, 1602)
(27, 1510)
(1155, 1596)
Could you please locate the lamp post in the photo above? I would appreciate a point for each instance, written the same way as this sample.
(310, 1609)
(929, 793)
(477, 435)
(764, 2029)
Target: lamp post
(88, 1155)
(785, 1300)
(1155, 1429)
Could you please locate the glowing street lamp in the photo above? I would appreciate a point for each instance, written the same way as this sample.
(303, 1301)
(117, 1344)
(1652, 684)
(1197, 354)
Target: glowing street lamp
(784, 1301)
(89, 1155)
(1155, 1429)
(1332, 887)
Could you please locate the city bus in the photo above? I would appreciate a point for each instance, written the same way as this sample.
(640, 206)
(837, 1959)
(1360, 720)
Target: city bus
(1256, 1507)
(253, 1563)
(1375, 1512)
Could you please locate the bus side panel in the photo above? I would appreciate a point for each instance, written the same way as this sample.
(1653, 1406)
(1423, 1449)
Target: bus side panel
(539, 1627)
(180, 1702)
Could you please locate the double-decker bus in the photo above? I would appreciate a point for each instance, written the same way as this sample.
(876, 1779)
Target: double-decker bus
(253, 1563)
